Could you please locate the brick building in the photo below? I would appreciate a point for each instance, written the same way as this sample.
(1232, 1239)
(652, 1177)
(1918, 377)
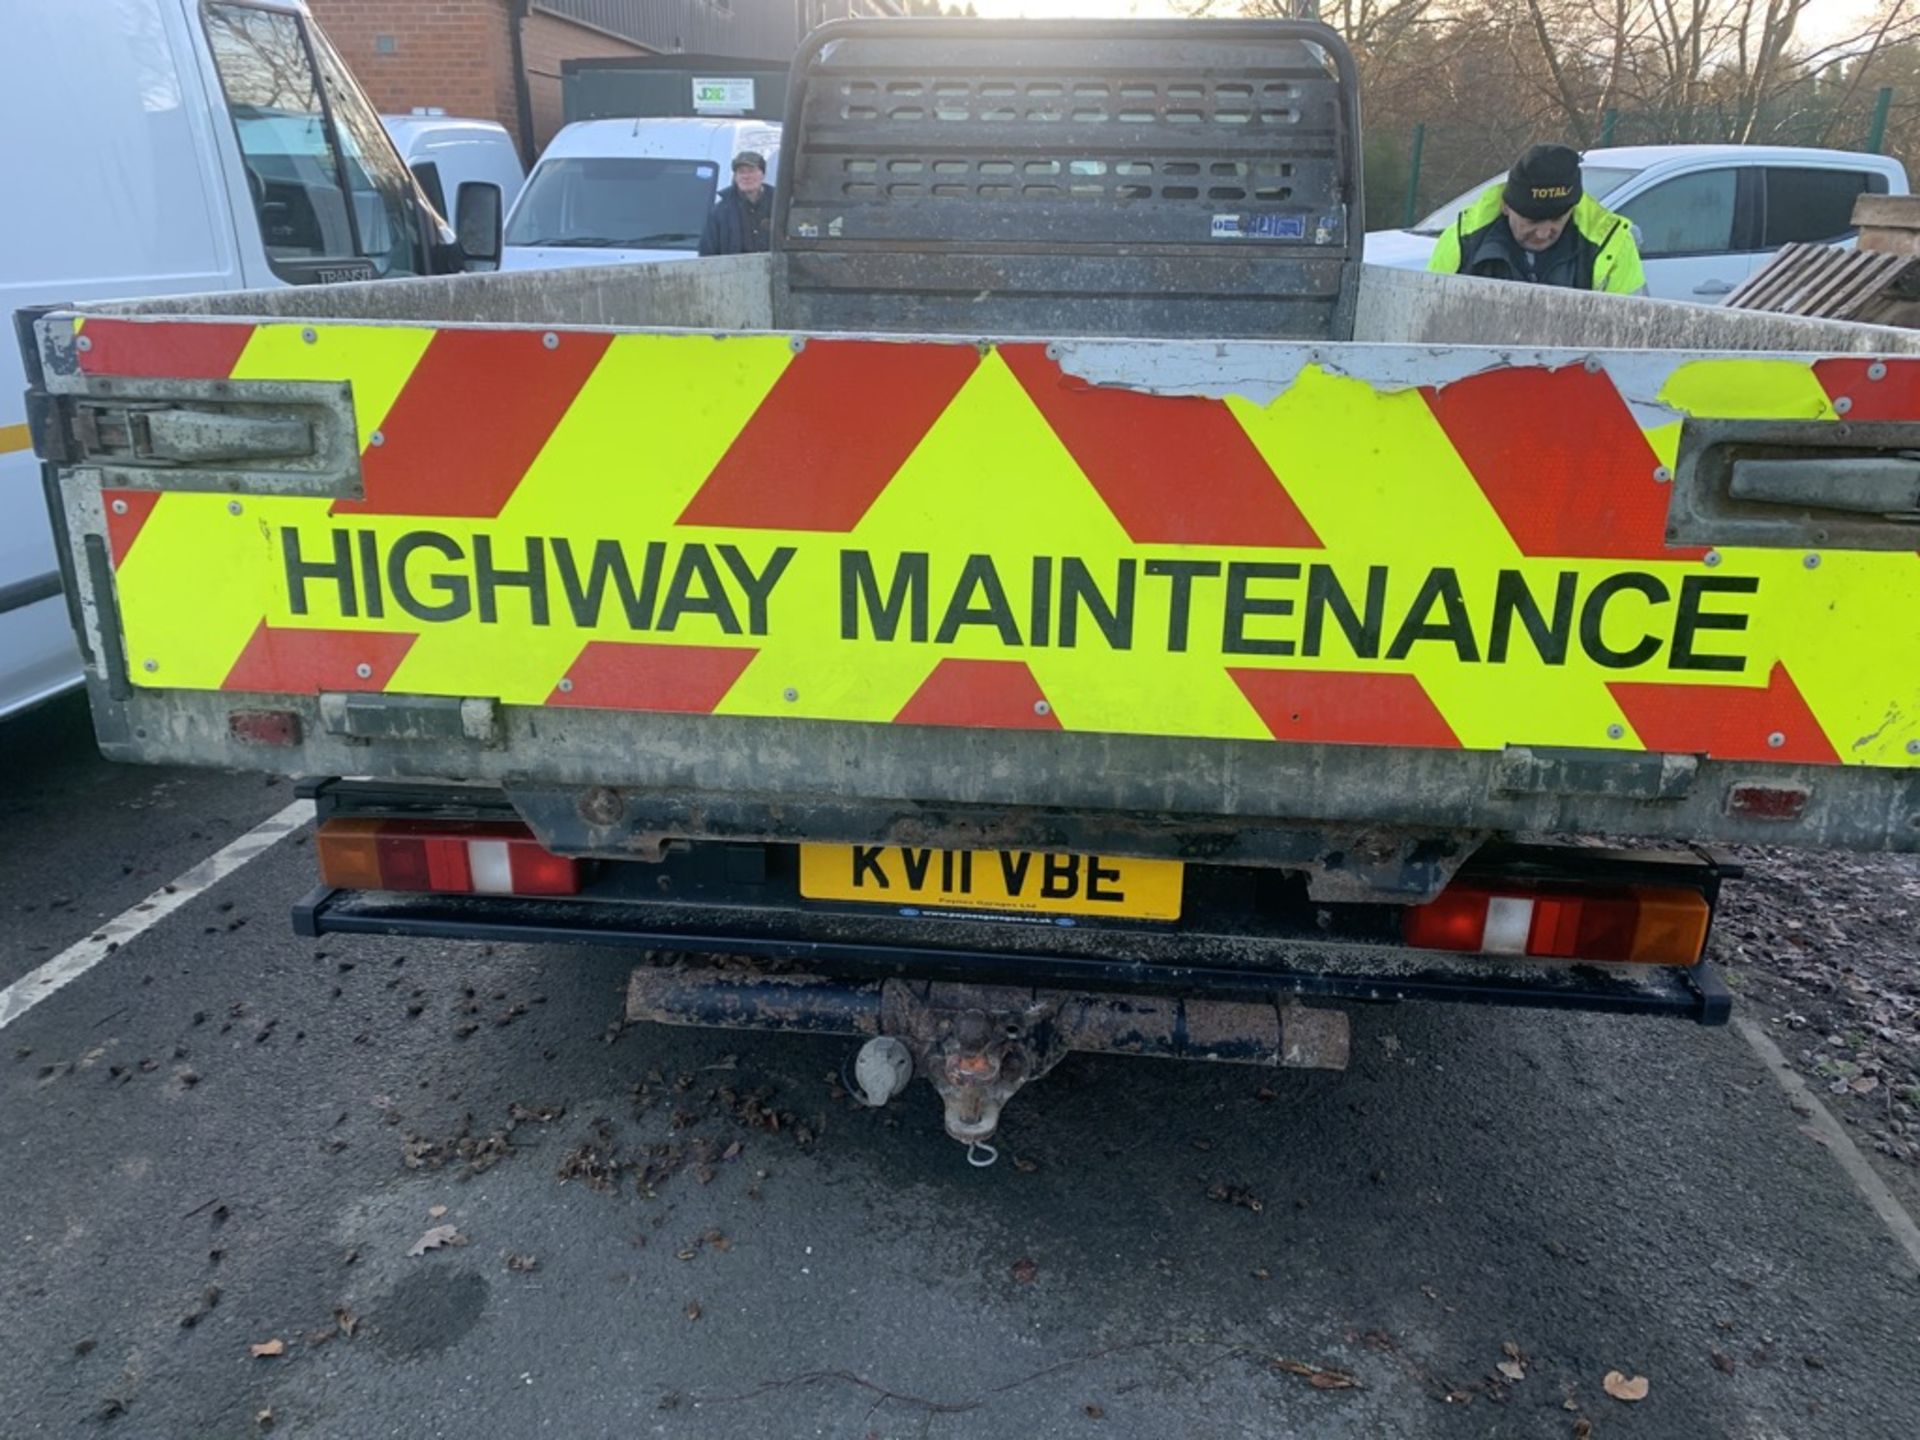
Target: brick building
(500, 59)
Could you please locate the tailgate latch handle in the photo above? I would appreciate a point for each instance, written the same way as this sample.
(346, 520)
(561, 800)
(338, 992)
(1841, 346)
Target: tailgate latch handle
(1886, 485)
(164, 435)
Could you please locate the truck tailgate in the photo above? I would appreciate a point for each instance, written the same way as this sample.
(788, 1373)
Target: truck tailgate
(777, 584)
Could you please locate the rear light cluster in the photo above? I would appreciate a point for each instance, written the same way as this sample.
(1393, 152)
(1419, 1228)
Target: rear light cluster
(449, 857)
(1646, 924)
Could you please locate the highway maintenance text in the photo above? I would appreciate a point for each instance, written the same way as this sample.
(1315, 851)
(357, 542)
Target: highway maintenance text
(1618, 619)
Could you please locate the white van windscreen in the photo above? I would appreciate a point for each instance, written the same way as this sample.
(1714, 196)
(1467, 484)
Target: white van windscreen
(624, 203)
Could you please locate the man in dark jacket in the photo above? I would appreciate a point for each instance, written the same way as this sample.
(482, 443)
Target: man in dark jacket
(1542, 227)
(741, 221)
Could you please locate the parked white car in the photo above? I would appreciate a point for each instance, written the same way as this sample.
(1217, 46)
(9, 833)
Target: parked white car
(607, 191)
(444, 152)
(1707, 215)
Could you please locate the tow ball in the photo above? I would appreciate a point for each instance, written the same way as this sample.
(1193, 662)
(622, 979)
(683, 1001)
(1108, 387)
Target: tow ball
(977, 1045)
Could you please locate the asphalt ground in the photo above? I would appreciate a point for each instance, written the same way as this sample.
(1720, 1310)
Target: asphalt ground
(221, 1137)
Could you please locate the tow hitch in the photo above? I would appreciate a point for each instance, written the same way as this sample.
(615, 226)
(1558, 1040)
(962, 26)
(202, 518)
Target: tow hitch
(977, 1045)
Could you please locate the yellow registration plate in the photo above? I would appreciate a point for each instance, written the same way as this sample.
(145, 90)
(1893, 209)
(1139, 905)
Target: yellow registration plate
(1017, 880)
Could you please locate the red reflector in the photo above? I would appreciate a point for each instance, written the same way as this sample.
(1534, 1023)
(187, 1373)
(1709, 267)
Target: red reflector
(452, 857)
(1648, 924)
(1768, 802)
(264, 727)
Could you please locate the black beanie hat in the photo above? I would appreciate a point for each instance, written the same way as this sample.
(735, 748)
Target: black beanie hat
(1545, 183)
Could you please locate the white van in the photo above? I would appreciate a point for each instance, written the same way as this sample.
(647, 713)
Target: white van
(614, 190)
(445, 152)
(165, 147)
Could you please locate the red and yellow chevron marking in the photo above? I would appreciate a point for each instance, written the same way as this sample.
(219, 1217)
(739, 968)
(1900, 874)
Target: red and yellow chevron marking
(922, 533)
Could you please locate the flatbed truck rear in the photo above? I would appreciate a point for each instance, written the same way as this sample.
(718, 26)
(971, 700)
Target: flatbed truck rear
(1056, 601)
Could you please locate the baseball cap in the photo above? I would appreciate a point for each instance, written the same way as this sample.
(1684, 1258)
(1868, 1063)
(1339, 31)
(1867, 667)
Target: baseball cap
(1544, 183)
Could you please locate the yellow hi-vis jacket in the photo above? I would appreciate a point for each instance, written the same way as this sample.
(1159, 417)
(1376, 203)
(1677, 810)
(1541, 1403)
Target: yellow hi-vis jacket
(1606, 259)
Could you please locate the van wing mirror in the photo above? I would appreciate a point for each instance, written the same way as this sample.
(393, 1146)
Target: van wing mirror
(477, 223)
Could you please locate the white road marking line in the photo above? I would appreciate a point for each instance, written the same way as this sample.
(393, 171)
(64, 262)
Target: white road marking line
(1859, 1169)
(73, 962)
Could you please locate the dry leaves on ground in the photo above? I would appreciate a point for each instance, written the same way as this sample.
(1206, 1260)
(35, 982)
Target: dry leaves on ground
(1320, 1377)
(1242, 1195)
(1025, 1270)
(267, 1349)
(434, 1239)
(1620, 1387)
(1514, 1367)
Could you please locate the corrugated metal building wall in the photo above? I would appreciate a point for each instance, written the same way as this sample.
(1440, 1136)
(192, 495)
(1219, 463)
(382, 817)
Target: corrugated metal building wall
(756, 29)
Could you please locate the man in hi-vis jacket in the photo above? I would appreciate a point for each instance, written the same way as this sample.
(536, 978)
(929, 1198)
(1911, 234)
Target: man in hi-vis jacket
(1541, 227)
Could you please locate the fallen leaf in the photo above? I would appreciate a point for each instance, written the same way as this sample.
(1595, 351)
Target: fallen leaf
(1318, 1376)
(264, 1419)
(1025, 1166)
(693, 1310)
(522, 1263)
(438, 1236)
(1622, 1388)
(1024, 1271)
(1722, 1361)
(1582, 1428)
(1224, 1194)
(267, 1349)
(1094, 1412)
(1513, 1370)
(347, 1321)
(1263, 1274)
(434, 1212)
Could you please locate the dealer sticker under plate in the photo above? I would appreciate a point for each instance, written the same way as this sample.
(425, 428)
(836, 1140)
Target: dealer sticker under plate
(990, 880)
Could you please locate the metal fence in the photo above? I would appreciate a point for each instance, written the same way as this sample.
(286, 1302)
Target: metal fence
(1411, 170)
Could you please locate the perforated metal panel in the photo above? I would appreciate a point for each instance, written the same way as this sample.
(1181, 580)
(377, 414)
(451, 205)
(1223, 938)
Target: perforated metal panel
(1163, 178)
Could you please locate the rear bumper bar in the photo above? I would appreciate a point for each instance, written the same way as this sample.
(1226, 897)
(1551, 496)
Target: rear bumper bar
(866, 948)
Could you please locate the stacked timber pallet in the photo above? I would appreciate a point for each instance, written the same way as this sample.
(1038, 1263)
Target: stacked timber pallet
(1876, 284)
